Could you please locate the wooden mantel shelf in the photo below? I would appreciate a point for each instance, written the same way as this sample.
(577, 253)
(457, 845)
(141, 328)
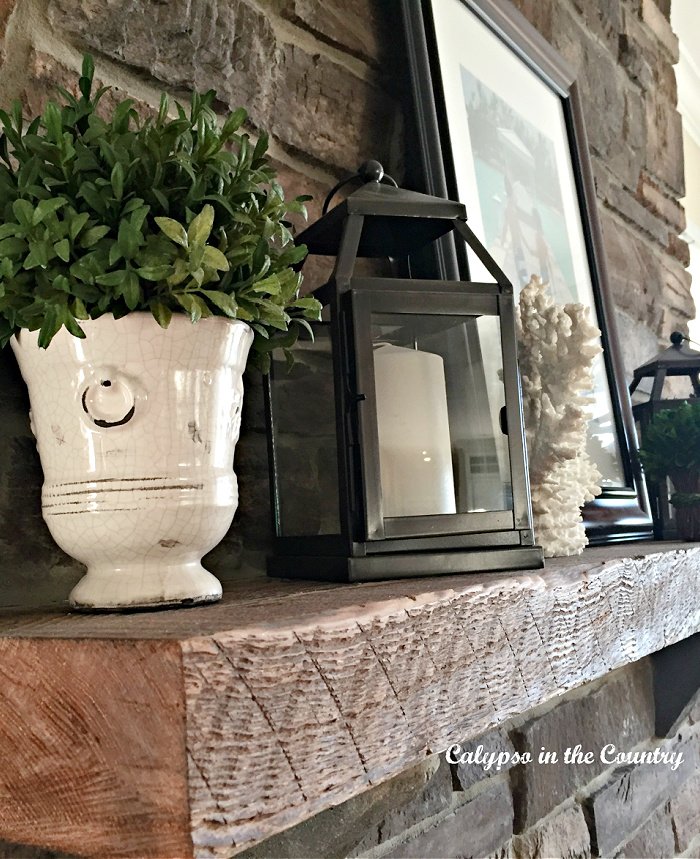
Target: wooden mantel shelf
(202, 731)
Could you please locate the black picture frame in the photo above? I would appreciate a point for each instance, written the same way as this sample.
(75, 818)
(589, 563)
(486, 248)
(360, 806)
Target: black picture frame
(621, 512)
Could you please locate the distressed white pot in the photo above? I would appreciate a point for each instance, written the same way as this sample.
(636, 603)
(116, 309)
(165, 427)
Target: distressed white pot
(136, 428)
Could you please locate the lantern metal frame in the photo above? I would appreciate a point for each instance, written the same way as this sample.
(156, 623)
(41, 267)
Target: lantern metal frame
(678, 361)
(382, 221)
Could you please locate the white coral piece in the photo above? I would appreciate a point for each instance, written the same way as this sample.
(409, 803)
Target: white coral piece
(557, 345)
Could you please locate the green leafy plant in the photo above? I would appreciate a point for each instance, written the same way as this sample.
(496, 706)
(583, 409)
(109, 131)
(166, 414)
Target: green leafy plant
(162, 214)
(671, 443)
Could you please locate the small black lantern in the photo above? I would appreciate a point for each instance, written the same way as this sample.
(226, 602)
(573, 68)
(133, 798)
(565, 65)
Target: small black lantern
(678, 361)
(389, 452)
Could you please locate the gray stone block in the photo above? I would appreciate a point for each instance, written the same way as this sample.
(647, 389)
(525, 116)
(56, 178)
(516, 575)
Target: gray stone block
(564, 834)
(495, 742)
(234, 48)
(539, 14)
(351, 26)
(481, 827)
(435, 796)
(340, 831)
(654, 840)
(633, 793)
(620, 712)
(685, 813)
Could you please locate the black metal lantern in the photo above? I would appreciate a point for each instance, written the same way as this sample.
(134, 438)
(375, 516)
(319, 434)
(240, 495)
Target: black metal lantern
(677, 362)
(389, 452)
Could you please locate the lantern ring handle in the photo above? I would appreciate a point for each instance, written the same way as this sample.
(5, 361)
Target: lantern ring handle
(369, 171)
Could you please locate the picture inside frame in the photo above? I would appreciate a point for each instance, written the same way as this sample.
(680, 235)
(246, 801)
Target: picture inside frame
(513, 170)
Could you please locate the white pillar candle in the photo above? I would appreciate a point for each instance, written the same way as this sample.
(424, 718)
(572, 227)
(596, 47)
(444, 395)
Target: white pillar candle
(414, 435)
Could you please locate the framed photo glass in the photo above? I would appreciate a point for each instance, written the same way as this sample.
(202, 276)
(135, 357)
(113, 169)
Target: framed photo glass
(500, 129)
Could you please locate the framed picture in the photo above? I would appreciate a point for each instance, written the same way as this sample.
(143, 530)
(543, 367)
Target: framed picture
(499, 127)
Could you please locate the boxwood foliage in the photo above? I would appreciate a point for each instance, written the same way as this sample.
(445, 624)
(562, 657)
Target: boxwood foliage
(671, 442)
(162, 214)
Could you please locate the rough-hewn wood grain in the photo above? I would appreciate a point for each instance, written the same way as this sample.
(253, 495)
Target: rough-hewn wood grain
(297, 697)
(91, 747)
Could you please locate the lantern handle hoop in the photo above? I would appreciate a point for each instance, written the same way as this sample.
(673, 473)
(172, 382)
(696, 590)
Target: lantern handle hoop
(368, 171)
(677, 337)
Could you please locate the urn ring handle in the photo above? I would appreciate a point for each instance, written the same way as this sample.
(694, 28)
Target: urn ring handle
(109, 399)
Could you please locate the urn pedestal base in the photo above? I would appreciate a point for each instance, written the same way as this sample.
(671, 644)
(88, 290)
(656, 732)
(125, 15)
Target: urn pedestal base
(106, 588)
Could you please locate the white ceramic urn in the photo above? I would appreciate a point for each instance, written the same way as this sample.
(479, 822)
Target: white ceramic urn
(136, 427)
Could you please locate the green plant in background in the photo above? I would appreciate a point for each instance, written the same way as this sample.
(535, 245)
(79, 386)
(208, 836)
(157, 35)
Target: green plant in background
(671, 447)
(158, 214)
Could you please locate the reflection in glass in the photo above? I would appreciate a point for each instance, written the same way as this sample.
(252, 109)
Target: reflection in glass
(306, 466)
(439, 401)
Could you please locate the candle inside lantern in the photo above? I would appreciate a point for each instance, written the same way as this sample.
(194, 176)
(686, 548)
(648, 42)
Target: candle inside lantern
(414, 436)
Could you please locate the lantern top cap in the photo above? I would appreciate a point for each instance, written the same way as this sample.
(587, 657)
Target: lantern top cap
(397, 221)
(376, 198)
(678, 360)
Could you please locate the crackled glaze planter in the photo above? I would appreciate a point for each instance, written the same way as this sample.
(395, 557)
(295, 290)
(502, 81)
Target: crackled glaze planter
(136, 428)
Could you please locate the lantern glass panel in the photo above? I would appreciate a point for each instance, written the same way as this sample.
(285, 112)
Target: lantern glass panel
(439, 399)
(304, 438)
(677, 388)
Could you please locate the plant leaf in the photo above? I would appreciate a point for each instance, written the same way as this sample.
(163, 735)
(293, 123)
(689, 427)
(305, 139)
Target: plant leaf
(215, 259)
(92, 236)
(131, 290)
(128, 239)
(224, 302)
(62, 249)
(12, 246)
(200, 229)
(77, 223)
(174, 231)
(161, 312)
(189, 303)
(24, 212)
(155, 272)
(112, 278)
(117, 181)
(46, 207)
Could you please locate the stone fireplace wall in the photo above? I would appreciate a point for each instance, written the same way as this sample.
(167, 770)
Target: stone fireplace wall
(328, 80)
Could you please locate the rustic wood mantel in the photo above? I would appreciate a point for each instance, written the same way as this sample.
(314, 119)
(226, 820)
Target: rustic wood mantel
(202, 731)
